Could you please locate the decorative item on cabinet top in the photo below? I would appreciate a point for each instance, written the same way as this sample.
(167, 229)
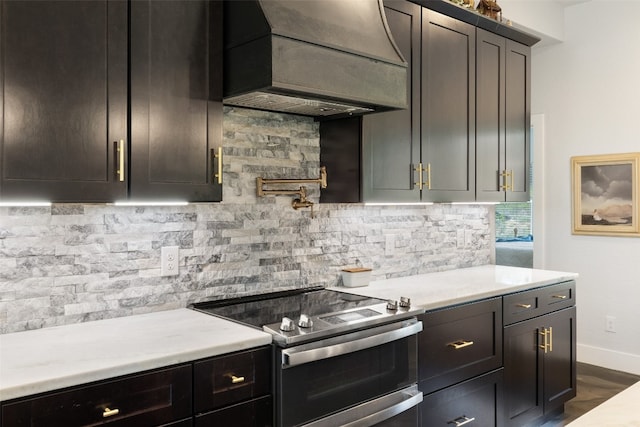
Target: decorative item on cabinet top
(301, 201)
(469, 4)
(490, 8)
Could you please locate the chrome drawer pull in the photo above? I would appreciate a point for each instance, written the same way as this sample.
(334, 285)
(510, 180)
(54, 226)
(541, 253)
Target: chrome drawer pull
(461, 421)
(457, 345)
(110, 412)
(521, 305)
(559, 296)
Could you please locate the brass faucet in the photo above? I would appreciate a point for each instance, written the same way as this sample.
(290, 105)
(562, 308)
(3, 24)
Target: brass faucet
(301, 201)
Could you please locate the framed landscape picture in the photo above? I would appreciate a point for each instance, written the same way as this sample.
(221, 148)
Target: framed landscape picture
(605, 194)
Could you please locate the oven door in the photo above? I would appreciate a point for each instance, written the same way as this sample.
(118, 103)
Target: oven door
(357, 379)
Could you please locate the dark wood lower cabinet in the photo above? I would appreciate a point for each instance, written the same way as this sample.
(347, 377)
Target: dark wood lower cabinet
(254, 413)
(150, 399)
(540, 359)
(476, 402)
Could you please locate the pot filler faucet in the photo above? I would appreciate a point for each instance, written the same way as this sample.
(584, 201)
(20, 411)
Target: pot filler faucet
(301, 201)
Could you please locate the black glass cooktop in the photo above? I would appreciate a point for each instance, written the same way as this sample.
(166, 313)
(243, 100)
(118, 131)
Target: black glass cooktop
(310, 313)
(265, 309)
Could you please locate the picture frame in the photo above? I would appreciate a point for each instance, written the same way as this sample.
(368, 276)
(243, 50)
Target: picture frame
(605, 194)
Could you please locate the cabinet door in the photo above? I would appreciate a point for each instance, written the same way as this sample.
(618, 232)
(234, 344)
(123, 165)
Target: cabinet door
(391, 140)
(176, 109)
(490, 114)
(448, 108)
(518, 121)
(503, 119)
(523, 372)
(539, 380)
(560, 360)
(63, 68)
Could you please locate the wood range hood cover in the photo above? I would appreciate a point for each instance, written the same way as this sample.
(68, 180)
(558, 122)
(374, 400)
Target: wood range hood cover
(312, 57)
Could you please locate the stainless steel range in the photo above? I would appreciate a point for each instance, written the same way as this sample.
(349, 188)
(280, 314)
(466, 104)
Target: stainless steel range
(340, 359)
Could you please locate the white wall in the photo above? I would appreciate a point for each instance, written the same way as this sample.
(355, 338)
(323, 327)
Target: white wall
(588, 89)
(544, 18)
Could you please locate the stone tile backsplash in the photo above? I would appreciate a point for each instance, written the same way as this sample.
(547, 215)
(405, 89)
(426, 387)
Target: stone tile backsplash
(72, 263)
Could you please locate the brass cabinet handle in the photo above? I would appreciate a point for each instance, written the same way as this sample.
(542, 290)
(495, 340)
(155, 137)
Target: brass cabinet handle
(550, 339)
(235, 379)
(559, 296)
(460, 421)
(217, 177)
(504, 186)
(521, 305)
(457, 345)
(511, 174)
(120, 166)
(545, 345)
(110, 412)
(419, 170)
(428, 176)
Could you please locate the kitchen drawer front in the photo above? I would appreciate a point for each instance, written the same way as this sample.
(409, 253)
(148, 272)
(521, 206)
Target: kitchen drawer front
(151, 399)
(536, 302)
(476, 402)
(232, 378)
(255, 413)
(459, 343)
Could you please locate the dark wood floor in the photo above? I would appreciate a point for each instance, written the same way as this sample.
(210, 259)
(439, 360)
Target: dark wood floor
(595, 385)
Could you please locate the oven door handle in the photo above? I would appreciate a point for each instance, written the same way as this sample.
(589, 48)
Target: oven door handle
(373, 412)
(349, 343)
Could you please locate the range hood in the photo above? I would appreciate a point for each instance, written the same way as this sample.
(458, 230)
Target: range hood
(312, 57)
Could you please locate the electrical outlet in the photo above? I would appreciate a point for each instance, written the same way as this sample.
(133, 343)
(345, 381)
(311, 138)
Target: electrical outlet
(169, 260)
(610, 325)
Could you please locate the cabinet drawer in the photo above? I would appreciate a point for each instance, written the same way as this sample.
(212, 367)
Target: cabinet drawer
(151, 399)
(476, 402)
(232, 379)
(255, 413)
(536, 302)
(459, 343)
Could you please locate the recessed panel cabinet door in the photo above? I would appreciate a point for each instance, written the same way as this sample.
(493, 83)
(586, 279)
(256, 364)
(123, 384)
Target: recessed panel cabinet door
(503, 119)
(448, 108)
(176, 113)
(63, 74)
(391, 140)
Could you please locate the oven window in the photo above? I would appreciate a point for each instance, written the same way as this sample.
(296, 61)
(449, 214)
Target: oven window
(317, 389)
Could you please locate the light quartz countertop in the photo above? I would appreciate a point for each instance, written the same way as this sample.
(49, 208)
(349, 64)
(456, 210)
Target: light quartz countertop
(52, 358)
(446, 288)
(619, 411)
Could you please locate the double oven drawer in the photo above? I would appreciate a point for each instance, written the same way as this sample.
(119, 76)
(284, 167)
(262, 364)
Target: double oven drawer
(459, 343)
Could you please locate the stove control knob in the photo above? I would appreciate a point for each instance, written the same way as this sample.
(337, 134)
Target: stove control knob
(305, 321)
(287, 325)
(405, 302)
(392, 305)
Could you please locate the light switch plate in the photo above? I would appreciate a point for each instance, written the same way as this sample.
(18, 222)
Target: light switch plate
(169, 257)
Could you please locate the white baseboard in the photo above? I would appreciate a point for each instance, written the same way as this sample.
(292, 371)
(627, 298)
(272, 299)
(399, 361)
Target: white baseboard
(625, 362)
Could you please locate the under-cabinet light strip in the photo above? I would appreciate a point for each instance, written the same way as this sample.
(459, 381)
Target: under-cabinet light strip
(160, 203)
(24, 204)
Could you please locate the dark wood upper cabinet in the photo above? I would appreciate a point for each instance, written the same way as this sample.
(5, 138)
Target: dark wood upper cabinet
(176, 108)
(63, 73)
(466, 134)
(391, 140)
(503, 119)
(109, 100)
(386, 156)
(448, 108)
